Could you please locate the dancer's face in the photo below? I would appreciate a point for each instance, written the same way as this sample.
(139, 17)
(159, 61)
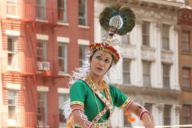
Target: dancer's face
(100, 63)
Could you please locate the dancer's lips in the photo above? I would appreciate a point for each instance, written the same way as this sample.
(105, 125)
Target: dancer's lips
(100, 69)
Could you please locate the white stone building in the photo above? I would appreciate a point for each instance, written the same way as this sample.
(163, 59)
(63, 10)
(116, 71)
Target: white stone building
(149, 73)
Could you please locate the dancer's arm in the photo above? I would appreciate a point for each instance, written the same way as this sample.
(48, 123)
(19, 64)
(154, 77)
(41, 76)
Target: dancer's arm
(79, 117)
(122, 101)
(143, 114)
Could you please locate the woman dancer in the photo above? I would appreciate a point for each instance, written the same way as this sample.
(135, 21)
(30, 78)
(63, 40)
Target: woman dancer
(92, 99)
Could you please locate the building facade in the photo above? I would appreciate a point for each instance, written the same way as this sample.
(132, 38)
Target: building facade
(185, 63)
(41, 43)
(149, 73)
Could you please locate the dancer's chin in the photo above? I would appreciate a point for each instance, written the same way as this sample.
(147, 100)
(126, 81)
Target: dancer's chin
(99, 74)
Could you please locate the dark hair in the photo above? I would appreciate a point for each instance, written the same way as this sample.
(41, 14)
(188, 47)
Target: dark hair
(91, 56)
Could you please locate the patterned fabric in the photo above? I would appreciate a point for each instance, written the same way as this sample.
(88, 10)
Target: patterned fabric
(108, 101)
(82, 92)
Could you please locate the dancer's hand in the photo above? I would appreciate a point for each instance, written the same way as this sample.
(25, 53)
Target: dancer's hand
(147, 121)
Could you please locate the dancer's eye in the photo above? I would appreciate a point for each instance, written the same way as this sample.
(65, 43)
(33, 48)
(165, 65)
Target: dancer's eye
(99, 57)
(107, 61)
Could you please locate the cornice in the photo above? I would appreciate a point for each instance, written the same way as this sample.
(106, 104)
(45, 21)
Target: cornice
(155, 15)
(147, 10)
(185, 16)
(154, 95)
(164, 5)
(147, 89)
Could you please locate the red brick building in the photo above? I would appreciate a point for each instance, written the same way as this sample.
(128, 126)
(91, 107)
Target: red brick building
(41, 43)
(185, 64)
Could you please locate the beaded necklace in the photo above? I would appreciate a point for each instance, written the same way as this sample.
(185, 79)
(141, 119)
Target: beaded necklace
(103, 89)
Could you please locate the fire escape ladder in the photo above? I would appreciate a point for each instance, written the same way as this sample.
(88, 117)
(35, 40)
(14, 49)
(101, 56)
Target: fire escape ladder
(34, 76)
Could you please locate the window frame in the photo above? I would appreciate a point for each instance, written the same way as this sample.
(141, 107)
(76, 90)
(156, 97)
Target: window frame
(189, 69)
(44, 57)
(144, 74)
(166, 76)
(42, 8)
(127, 72)
(190, 115)
(85, 48)
(188, 33)
(150, 105)
(64, 9)
(165, 37)
(169, 115)
(65, 58)
(127, 39)
(12, 3)
(61, 113)
(146, 34)
(85, 14)
(14, 59)
(13, 105)
(44, 106)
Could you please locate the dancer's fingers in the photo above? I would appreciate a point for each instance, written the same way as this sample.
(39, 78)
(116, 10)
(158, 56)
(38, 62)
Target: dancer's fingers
(147, 117)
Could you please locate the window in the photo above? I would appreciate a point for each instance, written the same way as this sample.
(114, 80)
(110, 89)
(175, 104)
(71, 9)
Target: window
(41, 50)
(83, 49)
(167, 115)
(185, 41)
(187, 114)
(148, 106)
(62, 57)
(165, 37)
(126, 71)
(83, 12)
(145, 33)
(126, 122)
(146, 73)
(62, 11)
(12, 104)
(166, 76)
(11, 7)
(12, 52)
(125, 39)
(40, 9)
(186, 77)
(62, 99)
(42, 108)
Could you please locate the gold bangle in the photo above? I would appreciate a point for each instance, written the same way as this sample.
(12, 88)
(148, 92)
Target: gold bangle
(125, 103)
(77, 102)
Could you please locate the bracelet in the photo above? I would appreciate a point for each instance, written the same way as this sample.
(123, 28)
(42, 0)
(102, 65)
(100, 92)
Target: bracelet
(141, 114)
(129, 104)
(77, 109)
(90, 125)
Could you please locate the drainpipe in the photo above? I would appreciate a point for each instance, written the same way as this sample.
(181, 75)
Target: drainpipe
(1, 91)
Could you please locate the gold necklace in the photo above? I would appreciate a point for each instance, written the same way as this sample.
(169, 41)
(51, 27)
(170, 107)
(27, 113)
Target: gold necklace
(91, 81)
(100, 88)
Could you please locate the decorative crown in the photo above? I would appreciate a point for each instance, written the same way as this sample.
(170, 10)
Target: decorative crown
(116, 20)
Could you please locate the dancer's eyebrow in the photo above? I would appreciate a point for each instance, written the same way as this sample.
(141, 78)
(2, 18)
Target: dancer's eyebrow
(99, 54)
(102, 55)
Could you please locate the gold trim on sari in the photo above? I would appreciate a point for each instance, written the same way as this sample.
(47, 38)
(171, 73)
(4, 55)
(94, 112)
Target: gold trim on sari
(107, 102)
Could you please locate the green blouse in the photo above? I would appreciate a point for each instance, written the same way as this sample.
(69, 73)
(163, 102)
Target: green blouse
(80, 93)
